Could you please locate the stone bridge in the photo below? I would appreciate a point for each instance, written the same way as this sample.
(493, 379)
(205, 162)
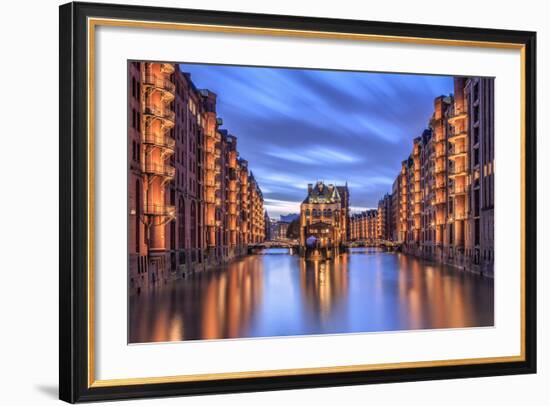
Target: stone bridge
(292, 245)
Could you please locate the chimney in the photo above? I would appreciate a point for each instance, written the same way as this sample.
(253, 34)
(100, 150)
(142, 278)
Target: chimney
(309, 187)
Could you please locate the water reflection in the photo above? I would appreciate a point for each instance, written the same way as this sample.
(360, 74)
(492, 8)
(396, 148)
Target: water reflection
(277, 294)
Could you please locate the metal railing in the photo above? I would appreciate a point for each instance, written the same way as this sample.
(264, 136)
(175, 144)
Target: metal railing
(458, 190)
(439, 168)
(159, 210)
(457, 170)
(167, 68)
(165, 113)
(158, 82)
(161, 140)
(459, 216)
(458, 134)
(158, 169)
(457, 151)
(457, 116)
(440, 154)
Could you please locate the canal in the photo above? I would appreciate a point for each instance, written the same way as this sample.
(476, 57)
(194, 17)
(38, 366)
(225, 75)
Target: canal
(277, 294)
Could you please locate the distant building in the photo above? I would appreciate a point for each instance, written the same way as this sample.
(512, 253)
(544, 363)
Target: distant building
(281, 230)
(267, 225)
(289, 218)
(364, 226)
(322, 217)
(384, 218)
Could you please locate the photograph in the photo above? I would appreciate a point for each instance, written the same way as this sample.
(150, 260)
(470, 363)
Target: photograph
(255, 201)
(271, 202)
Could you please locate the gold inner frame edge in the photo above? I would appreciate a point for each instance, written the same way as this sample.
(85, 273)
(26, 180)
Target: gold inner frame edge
(94, 22)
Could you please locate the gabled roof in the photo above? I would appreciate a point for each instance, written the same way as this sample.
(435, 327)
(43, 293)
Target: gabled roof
(321, 193)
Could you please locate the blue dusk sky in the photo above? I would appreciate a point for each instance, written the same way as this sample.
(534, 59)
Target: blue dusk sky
(297, 126)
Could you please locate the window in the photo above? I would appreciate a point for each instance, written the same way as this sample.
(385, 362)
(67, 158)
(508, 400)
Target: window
(137, 217)
(476, 203)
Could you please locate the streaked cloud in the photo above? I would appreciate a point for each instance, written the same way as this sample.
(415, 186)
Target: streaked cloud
(298, 126)
(313, 155)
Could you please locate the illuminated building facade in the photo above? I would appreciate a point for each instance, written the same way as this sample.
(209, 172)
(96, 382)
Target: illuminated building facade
(192, 202)
(365, 226)
(323, 216)
(443, 197)
(280, 230)
(384, 218)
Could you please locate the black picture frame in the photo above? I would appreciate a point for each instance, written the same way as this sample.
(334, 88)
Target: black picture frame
(74, 200)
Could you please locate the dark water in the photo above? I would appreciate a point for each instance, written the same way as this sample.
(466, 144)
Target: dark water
(278, 295)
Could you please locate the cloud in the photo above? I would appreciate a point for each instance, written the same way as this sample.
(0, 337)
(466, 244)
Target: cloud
(313, 155)
(298, 126)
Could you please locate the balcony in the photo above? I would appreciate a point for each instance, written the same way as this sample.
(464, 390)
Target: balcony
(217, 152)
(458, 135)
(158, 169)
(439, 138)
(458, 116)
(158, 140)
(159, 210)
(161, 84)
(167, 68)
(459, 171)
(167, 115)
(458, 153)
(458, 191)
(458, 216)
(439, 169)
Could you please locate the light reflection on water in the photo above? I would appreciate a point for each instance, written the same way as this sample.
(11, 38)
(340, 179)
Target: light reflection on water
(277, 294)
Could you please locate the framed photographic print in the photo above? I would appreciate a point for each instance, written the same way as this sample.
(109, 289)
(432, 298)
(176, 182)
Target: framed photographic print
(254, 202)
